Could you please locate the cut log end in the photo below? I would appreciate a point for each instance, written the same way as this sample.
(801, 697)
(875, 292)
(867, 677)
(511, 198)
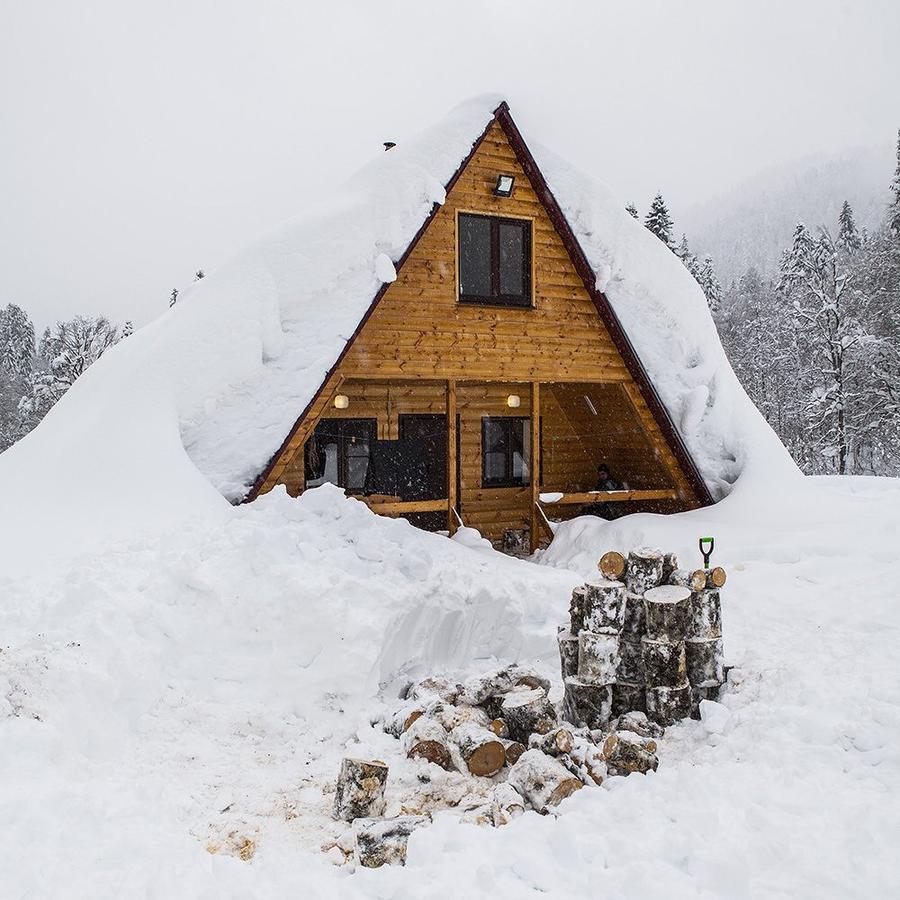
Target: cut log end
(481, 750)
(717, 577)
(612, 565)
(360, 789)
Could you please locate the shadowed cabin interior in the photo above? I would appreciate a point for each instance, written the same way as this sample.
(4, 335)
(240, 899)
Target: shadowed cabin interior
(483, 387)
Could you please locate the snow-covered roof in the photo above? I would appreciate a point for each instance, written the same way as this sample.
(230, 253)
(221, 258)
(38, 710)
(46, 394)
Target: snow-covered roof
(225, 373)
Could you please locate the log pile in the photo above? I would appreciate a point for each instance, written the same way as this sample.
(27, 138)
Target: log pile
(647, 638)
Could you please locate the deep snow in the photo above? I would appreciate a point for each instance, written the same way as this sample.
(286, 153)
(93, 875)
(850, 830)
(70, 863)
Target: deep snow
(173, 696)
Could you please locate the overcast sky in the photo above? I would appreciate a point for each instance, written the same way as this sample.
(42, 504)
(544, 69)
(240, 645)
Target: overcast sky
(140, 141)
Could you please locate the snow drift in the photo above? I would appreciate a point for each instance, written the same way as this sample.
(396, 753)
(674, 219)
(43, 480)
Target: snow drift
(224, 374)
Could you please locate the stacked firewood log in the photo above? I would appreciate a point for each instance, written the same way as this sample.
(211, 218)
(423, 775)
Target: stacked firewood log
(646, 637)
(501, 730)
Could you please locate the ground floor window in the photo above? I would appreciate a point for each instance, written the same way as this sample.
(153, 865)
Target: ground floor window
(339, 452)
(505, 451)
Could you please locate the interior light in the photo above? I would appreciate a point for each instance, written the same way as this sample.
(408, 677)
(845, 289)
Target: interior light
(504, 186)
(514, 401)
(341, 401)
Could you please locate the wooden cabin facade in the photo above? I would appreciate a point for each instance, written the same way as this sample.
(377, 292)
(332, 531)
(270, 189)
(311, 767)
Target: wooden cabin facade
(489, 373)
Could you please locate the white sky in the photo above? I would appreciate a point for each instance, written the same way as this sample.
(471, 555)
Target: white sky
(140, 141)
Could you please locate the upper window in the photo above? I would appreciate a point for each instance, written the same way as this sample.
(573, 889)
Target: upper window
(505, 451)
(494, 260)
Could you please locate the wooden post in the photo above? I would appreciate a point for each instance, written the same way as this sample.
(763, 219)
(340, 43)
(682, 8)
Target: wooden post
(535, 461)
(452, 462)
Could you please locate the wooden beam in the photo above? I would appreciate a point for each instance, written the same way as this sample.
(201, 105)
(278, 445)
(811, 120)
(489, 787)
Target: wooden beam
(535, 461)
(452, 461)
(396, 507)
(608, 497)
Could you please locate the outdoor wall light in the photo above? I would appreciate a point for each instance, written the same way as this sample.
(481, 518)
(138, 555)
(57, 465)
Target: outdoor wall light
(341, 401)
(513, 401)
(504, 186)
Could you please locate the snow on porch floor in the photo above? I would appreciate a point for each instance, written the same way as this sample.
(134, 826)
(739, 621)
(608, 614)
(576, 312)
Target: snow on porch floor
(196, 694)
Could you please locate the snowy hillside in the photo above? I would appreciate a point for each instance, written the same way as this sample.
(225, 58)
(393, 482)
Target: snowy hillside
(173, 710)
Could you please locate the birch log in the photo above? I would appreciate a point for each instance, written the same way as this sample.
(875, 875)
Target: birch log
(542, 781)
(664, 663)
(506, 804)
(645, 570)
(612, 565)
(633, 622)
(526, 712)
(626, 752)
(628, 697)
(631, 662)
(427, 739)
(695, 580)
(383, 843)
(481, 750)
(360, 789)
(402, 717)
(667, 609)
(705, 662)
(705, 619)
(604, 606)
(598, 657)
(514, 749)
(554, 743)
(576, 610)
(667, 705)
(586, 704)
(568, 653)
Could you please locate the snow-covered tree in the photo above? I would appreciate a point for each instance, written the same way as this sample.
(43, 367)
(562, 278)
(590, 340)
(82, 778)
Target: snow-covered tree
(894, 209)
(67, 350)
(632, 211)
(173, 297)
(199, 274)
(659, 221)
(848, 235)
(710, 284)
(16, 341)
(691, 263)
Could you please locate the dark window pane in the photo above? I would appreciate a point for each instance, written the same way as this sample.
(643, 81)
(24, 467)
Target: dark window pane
(494, 435)
(357, 450)
(512, 259)
(475, 256)
(495, 466)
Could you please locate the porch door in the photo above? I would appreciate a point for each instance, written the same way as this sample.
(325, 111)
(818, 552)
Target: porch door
(423, 439)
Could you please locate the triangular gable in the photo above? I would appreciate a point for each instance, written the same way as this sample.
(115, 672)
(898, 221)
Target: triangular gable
(503, 119)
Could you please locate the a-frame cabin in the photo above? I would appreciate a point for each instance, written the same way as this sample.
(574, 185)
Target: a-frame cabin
(487, 383)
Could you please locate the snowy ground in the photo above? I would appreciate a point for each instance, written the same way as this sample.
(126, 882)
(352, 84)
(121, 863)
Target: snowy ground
(174, 704)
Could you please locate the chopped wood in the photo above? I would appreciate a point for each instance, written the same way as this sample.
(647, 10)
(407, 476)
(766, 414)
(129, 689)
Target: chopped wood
(667, 609)
(645, 570)
(666, 705)
(612, 565)
(450, 716)
(445, 689)
(481, 749)
(598, 657)
(499, 727)
(631, 662)
(526, 712)
(401, 718)
(506, 804)
(554, 743)
(586, 704)
(384, 842)
(705, 662)
(628, 697)
(542, 780)
(500, 681)
(695, 580)
(638, 723)
(626, 752)
(670, 564)
(360, 789)
(716, 577)
(586, 761)
(604, 606)
(426, 739)
(705, 619)
(664, 663)
(576, 610)
(568, 653)
(514, 749)
(633, 623)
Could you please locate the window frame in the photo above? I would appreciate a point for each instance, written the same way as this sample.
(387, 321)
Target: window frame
(508, 480)
(342, 425)
(511, 301)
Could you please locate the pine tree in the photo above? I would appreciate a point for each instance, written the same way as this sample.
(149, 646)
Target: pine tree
(173, 297)
(127, 329)
(683, 252)
(199, 274)
(894, 209)
(632, 211)
(848, 235)
(710, 285)
(659, 221)
(16, 341)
